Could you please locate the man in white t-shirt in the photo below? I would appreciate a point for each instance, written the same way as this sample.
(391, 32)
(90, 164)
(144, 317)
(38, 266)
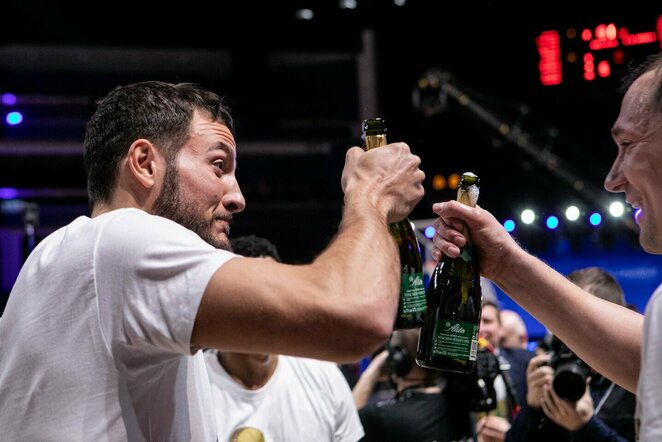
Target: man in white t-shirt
(101, 336)
(614, 340)
(276, 397)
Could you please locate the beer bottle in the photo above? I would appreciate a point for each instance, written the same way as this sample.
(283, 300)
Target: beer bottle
(411, 307)
(449, 337)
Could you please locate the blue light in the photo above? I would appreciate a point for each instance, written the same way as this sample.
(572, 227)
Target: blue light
(595, 219)
(8, 193)
(552, 222)
(9, 99)
(509, 225)
(429, 231)
(14, 118)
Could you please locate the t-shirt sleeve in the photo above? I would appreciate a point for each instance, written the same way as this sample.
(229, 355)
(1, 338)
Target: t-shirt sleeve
(150, 275)
(348, 423)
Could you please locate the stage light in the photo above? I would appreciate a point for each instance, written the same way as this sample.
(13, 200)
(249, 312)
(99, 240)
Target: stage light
(304, 14)
(9, 99)
(14, 118)
(347, 4)
(616, 209)
(429, 232)
(528, 216)
(438, 182)
(572, 213)
(509, 225)
(552, 222)
(595, 219)
(454, 180)
(8, 193)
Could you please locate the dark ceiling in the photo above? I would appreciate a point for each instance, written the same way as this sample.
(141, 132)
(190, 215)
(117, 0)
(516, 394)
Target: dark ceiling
(299, 90)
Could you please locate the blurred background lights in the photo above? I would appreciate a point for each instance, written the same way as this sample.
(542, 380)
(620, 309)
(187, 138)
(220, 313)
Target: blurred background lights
(14, 118)
(572, 213)
(304, 14)
(509, 225)
(552, 222)
(595, 219)
(454, 180)
(347, 4)
(9, 99)
(528, 216)
(8, 193)
(429, 232)
(616, 209)
(438, 182)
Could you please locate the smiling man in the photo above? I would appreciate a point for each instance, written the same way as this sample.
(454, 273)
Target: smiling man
(613, 339)
(101, 338)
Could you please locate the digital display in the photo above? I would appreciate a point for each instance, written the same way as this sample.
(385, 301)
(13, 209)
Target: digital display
(593, 52)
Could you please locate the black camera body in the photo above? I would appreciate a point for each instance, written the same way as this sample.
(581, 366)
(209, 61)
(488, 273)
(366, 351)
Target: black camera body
(570, 372)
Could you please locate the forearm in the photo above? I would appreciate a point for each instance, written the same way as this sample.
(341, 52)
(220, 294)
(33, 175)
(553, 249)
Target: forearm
(368, 379)
(586, 323)
(340, 307)
(364, 387)
(360, 269)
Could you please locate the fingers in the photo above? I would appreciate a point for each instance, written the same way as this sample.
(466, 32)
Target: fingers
(448, 238)
(536, 362)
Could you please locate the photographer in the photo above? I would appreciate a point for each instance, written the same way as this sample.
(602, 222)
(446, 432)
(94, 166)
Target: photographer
(423, 408)
(559, 407)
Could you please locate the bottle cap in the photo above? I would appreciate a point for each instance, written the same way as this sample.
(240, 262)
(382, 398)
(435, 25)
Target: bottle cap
(374, 126)
(469, 179)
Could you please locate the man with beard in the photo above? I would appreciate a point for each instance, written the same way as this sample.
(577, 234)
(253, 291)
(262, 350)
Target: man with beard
(101, 337)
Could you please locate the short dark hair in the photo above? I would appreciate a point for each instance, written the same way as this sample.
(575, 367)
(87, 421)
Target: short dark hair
(600, 283)
(157, 111)
(254, 246)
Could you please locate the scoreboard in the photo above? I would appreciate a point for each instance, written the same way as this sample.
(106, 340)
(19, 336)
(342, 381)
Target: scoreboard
(594, 52)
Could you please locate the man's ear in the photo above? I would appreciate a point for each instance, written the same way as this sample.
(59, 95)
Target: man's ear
(142, 162)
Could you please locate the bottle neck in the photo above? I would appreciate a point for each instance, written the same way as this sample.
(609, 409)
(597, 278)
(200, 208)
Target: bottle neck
(373, 141)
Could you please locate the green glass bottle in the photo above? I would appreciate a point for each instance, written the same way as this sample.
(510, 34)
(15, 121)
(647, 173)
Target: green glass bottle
(449, 337)
(411, 307)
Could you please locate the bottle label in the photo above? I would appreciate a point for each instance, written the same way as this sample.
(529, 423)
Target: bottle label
(412, 293)
(455, 339)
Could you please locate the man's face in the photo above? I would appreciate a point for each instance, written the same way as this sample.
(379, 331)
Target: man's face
(637, 169)
(200, 190)
(490, 328)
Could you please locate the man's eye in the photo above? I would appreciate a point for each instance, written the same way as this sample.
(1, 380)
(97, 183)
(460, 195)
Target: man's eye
(219, 164)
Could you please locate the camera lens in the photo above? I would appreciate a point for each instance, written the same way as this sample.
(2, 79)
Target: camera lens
(569, 382)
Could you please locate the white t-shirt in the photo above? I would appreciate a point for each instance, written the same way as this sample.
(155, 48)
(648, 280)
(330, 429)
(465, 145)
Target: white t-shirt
(649, 390)
(95, 340)
(305, 400)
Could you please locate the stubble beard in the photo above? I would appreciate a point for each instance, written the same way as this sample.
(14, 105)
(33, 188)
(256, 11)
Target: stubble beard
(171, 205)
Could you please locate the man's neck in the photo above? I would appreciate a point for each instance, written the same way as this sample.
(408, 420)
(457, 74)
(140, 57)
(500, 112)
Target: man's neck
(249, 370)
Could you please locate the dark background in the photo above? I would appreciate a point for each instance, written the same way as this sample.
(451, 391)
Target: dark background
(299, 91)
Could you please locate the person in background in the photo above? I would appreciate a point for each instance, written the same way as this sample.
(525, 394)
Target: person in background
(510, 380)
(423, 408)
(102, 334)
(605, 412)
(617, 342)
(278, 397)
(513, 330)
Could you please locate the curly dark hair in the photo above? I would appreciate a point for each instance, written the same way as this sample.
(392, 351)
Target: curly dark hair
(254, 246)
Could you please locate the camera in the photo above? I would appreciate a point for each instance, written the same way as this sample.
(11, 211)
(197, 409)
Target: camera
(570, 372)
(475, 391)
